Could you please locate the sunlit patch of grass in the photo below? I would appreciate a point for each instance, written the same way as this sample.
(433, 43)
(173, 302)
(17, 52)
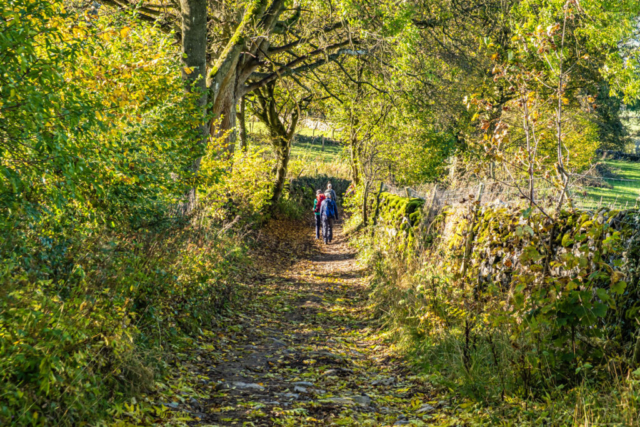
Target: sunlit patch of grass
(315, 151)
(625, 191)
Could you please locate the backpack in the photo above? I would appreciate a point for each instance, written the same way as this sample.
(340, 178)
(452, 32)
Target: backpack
(319, 203)
(331, 210)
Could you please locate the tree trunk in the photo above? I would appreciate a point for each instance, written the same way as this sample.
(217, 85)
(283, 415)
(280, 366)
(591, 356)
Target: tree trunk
(353, 163)
(365, 197)
(224, 118)
(283, 154)
(227, 76)
(194, 59)
(242, 126)
(377, 210)
(280, 135)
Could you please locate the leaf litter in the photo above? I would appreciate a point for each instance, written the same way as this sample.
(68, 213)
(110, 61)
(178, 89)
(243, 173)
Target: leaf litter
(303, 350)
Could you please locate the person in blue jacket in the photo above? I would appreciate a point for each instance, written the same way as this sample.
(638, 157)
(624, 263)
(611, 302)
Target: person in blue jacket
(328, 212)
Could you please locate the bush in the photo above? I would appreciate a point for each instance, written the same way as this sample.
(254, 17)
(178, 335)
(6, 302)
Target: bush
(98, 275)
(530, 307)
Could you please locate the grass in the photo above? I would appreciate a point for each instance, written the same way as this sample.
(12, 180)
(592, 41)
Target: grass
(308, 155)
(626, 187)
(305, 147)
(328, 153)
(259, 128)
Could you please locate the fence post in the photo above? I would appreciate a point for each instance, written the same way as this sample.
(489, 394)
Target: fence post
(430, 207)
(470, 233)
(407, 191)
(375, 214)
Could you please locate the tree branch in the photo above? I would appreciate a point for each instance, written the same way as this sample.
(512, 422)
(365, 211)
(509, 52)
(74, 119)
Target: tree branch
(295, 43)
(144, 13)
(288, 69)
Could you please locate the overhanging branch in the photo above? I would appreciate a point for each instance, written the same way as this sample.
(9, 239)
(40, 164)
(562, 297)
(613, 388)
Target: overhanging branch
(288, 69)
(289, 46)
(146, 13)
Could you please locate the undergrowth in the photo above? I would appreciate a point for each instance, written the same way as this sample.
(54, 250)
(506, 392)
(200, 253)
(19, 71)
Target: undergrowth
(513, 343)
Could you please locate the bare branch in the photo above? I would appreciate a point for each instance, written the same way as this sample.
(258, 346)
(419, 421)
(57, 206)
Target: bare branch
(288, 69)
(287, 47)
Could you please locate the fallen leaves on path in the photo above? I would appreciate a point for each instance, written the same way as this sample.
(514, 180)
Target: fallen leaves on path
(302, 351)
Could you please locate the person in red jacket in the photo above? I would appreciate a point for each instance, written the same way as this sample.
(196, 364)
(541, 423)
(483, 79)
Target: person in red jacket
(316, 210)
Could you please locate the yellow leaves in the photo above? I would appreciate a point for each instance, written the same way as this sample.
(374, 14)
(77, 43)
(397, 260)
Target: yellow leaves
(188, 70)
(565, 101)
(78, 32)
(124, 32)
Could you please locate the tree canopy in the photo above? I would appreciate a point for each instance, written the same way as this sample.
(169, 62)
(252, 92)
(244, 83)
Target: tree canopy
(129, 218)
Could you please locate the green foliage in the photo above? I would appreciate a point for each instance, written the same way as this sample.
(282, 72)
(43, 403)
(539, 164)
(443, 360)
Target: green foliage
(98, 273)
(541, 305)
(102, 270)
(93, 120)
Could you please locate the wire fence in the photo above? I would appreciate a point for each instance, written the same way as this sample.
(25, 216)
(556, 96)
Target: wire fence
(584, 192)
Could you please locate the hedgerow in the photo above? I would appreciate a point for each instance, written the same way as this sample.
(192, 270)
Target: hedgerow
(497, 302)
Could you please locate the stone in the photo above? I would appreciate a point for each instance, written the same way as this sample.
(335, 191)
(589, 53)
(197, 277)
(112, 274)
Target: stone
(384, 381)
(426, 408)
(246, 386)
(326, 355)
(172, 405)
(363, 400)
(299, 389)
(277, 342)
(330, 372)
(340, 401)
(290, 395)
(401, 423)
(303, 383)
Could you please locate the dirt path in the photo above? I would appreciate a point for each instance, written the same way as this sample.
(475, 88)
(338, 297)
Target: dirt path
(303, 351)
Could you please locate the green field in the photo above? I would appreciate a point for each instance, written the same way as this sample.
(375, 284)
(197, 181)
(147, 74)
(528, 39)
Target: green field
(330, 153)
(307, 144)
(258, 128)
(625, 191)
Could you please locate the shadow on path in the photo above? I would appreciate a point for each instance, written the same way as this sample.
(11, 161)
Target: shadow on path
(303, 350)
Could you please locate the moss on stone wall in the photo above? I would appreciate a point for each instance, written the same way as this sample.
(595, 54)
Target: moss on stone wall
(394, 209)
